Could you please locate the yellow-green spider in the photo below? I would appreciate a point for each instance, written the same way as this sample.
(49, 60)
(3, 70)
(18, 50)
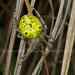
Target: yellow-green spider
(30, 27)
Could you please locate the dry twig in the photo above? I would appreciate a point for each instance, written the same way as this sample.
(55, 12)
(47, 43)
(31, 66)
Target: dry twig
(64, 20)
(69, 42)
(57, 55)
(57, 23)
(20, 58)
(12, 38)
(52, 10)
(29, 8)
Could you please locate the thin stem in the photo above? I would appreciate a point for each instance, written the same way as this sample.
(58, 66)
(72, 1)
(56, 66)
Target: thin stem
(38, 65)
(57, 23)
(33, 3)
(52, 9)
(20, 58)
(29, 8)
(46, 67)
(13, 35)
(57, 55)
(31, 48)
(69, 42)
(9, 54)
(65, 16)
